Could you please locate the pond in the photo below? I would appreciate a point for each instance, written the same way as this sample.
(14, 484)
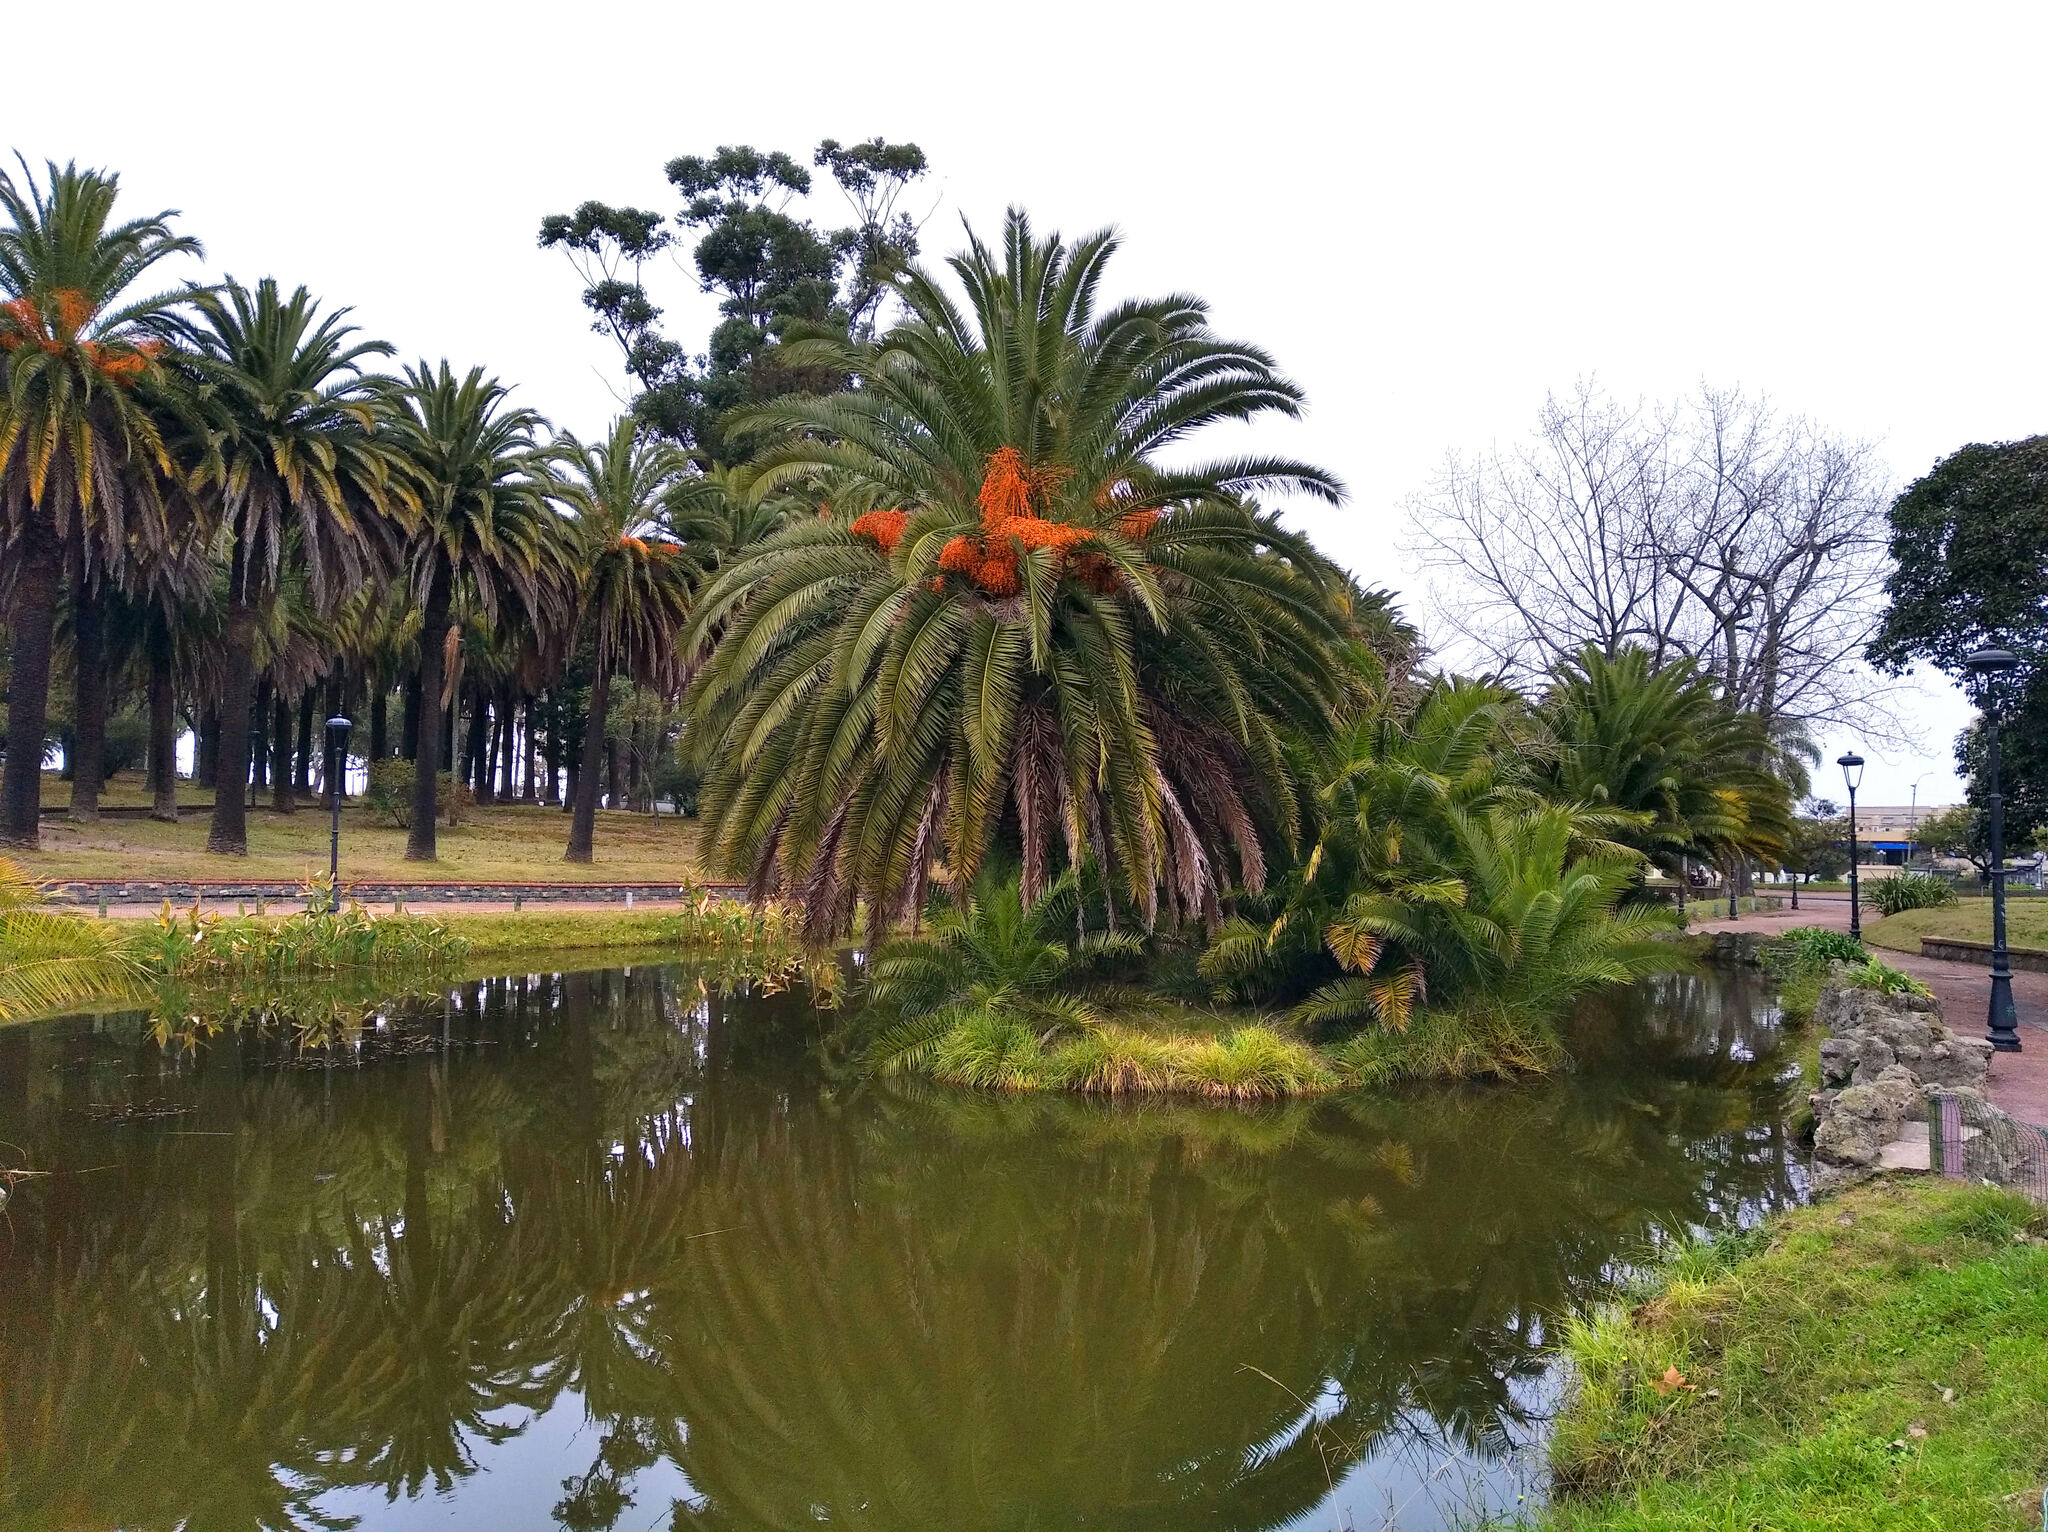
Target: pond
(625, 1250)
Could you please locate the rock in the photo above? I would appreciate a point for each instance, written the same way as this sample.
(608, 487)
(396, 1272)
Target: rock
(1863, 1120)
(1839, 1057)
(1901, 1091)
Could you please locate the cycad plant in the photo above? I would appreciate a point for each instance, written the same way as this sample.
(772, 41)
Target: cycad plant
(1008, 618)
(87, 484)
(487, 531)
(50, 958)
(994, 964)
(635, 578)
(305, 475)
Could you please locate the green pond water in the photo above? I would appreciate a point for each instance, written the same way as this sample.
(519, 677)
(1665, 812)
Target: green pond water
(622, 1250)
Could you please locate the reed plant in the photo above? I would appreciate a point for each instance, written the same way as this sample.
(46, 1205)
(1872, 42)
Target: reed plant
(327, 937)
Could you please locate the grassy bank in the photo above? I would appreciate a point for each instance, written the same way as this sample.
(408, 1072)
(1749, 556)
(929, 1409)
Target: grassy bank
(512, 844)
(1877, 1361)
(1969, 920)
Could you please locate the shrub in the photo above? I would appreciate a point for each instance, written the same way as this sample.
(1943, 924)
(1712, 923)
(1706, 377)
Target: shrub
(321, 940)
(1811, 947)
(1472, 1042)
(1911, 891)
(390, 793)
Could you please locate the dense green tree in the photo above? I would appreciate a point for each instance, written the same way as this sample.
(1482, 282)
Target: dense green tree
(87, 484)
(771, 269)
(636, 578)
(1008, 616)
(488, 535)
(1970, 571)
(305, 474)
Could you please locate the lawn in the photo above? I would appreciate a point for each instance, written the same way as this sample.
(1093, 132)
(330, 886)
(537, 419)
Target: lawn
(1877, 1361)
(512, 844)
(2026, 924)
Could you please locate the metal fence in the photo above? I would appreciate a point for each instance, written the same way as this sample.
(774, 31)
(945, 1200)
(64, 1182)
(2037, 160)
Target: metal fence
(1969, 1140)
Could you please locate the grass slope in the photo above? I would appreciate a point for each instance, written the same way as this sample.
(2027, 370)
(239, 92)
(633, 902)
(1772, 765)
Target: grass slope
(2026, 924)
(512, 844)
(1878, 1361)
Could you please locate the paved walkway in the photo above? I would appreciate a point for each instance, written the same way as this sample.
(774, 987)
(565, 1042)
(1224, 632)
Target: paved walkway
(2019, 1081)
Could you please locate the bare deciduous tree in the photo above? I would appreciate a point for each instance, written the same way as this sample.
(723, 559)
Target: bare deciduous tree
(1713, 528)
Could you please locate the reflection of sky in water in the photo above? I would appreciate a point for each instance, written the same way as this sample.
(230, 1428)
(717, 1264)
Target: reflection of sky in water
(517, 1482)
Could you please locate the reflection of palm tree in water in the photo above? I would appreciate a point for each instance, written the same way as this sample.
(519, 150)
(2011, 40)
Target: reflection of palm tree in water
(903, 1309)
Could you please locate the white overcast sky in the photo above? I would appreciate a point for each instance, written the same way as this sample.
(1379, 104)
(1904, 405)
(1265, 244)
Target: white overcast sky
(1430, 214)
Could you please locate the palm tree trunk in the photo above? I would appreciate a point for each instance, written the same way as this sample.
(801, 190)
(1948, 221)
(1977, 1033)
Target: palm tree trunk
(282, 798)
(163, 737)
(28, 694)
(532, 760)
(229, 832)
(305, 774)
(409, 725)
(508, 741)
(89, 707)
(426, 765)
(476, 765)
(260, 731)
(583, 822)
(380, 720)
(206, 757)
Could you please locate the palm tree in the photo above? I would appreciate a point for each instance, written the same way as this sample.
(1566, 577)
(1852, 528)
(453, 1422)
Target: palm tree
(86, 483)
(304, 474)
(1007, 616)
(48, 958)
(636, 581)
(1708, 780)
(487, 529)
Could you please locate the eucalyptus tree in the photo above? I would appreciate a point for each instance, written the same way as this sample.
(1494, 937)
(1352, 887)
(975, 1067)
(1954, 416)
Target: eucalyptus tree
(87, 484)
(636, 578)
(487, 531)
(1007, 616)
(304, 473)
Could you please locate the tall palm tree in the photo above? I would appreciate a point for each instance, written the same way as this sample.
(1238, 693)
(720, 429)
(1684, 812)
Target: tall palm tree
(86, 482)
(304, 474)
(1009, 617)
(636, 578)
(487, 525)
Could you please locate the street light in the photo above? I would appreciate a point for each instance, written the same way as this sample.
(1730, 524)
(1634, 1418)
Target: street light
(337, 762)
(1852, 773)
(1987, 666)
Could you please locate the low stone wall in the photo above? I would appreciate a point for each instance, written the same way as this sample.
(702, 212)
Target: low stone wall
(1954, 950)
(115, 891)
(1884, 1058)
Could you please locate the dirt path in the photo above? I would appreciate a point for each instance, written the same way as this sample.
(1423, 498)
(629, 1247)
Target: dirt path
(2019, 1081)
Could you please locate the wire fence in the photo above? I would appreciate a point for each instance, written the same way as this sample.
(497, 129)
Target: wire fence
(1970, 1140)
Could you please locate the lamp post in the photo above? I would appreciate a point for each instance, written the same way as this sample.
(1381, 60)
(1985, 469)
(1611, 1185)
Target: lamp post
(1987, 666)
(337, 762)
(1852, 773)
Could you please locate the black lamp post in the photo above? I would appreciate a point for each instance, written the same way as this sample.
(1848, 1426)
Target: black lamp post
(1987, 666)
(1852, 773)
(337, 764)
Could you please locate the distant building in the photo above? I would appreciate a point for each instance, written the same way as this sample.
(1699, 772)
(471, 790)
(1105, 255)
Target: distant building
(1886, 831)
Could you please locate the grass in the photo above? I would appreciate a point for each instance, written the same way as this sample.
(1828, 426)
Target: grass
(510, 844)
(1877, 1361)
(2026, 924)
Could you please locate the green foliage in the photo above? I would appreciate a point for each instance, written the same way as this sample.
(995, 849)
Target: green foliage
(1879, 1360)
(1479, 1041)
(50, 958)
(1660, 742)
(1885, 979)
(1110, 654)
(1806, 946)
(1440, 873)
(390, 793)
(322, 939)
(1910, 891)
